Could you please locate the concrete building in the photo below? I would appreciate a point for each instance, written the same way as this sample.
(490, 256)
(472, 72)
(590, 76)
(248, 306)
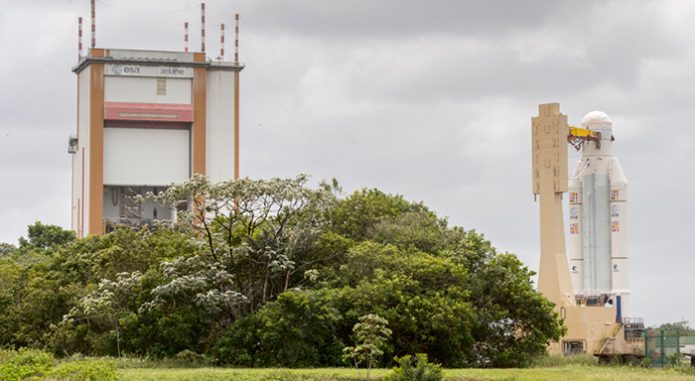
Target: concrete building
(145, 120)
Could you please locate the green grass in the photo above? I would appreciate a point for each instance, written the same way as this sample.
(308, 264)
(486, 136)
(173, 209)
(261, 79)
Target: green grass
(569, 373)
(565, 373)
(220, 374)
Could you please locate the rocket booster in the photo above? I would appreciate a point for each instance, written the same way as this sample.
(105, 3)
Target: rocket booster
(598, 256)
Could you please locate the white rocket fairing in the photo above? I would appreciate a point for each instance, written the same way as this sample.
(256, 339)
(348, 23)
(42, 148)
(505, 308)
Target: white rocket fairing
(598, 219)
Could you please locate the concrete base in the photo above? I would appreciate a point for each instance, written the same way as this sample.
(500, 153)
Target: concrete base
(590, 325)
(596, 328)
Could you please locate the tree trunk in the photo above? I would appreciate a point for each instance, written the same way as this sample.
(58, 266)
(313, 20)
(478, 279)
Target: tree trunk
(118, 339)
(287, 280)
(265, 284)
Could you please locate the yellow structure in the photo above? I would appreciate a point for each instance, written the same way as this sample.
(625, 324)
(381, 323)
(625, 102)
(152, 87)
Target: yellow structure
(590, 329)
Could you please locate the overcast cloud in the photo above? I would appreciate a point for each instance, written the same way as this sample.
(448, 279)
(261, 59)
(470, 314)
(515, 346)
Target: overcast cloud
(429, 99)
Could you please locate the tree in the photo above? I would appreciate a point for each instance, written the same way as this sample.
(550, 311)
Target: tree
(46, 236)
(6, 249)
(356, 216)
(513, 322)
(10, 283)
(423, 297)
(418, 227)
(679, 328)
(415, 368)
(275, 273)
(256, 234)
(371, 334)
(299, 329)
(114, 276)
(109, 301)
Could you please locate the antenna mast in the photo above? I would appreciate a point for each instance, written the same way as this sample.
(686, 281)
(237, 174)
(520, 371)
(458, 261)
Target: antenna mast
(79, 38)
(202, 27)
(94, 27)
(185, 37)
(221, 42)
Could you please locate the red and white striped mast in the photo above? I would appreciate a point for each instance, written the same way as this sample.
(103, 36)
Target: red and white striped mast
(221, 42)
(94, 27)
(236, 39)
(185, 37)
(79, 38)
(202, 27)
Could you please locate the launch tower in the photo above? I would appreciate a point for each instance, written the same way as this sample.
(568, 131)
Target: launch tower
(582, 290)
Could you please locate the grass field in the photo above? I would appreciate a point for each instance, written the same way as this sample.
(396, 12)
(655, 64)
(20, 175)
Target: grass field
(567, 373)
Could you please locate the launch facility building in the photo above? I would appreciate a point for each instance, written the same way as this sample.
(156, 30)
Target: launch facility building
(145, 120)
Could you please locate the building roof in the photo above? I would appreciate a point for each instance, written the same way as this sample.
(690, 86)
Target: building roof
(154, 58)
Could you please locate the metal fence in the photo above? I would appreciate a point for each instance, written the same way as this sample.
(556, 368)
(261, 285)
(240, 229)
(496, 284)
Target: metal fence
(661, 350)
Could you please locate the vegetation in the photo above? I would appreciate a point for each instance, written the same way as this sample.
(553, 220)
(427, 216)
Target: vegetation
(370, 336)
(415, 368)
(556, 361)
(33, 364)
(679, 328)
(565, 373)
(274, 273)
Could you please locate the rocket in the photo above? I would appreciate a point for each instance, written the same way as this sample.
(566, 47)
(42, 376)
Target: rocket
(598, 253)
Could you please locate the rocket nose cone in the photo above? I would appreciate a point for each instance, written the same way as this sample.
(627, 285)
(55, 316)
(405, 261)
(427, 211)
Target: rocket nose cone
(597, 119)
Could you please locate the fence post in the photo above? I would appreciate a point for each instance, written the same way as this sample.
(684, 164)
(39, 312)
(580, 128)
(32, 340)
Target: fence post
(678, 348)
(646, 343)
(662, 340)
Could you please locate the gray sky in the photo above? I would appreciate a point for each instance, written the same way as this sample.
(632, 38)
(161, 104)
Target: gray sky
(429, 99)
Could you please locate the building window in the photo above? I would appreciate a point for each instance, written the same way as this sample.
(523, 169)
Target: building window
(72, 144)
(161, 86)
(572, 347)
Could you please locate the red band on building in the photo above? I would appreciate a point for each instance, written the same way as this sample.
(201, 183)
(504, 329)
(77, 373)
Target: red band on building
(152, 112)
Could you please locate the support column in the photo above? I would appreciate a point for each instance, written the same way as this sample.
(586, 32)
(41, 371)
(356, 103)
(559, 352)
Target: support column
(236, 124)
(198, 132)
(549, 152)
(96, 145)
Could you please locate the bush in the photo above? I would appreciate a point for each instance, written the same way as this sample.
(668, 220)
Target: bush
(557, 361)
(415, 369)
(23, 364)
(191, 358)
(296, 330)
(85, 370)
(31, 364)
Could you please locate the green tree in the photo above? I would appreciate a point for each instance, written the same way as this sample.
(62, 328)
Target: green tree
(274, 273)
(110, 301)
(10, 285)
(418, 227)
(46, 236)
(513, 321)
(296, 330)
(114, 276)
(356, 216)
(371, 334)
(680, 328)
(416, 368)
(6, 249)
(424, 298)
(256, 235)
